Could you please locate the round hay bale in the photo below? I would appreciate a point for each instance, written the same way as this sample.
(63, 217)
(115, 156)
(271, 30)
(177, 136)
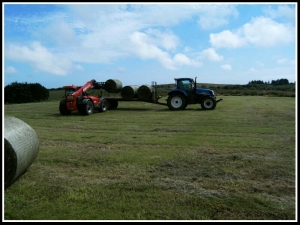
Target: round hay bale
(21, 147)
(129, 92)
(113, 86)
(145, 92)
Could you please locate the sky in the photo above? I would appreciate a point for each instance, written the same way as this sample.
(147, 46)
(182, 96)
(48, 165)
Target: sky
(57, 44)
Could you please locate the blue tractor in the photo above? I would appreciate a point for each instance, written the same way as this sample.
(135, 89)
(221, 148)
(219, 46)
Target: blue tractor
(186, 93)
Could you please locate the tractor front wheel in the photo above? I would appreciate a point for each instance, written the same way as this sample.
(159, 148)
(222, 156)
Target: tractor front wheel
(63, 108)
(88, 108)
(208, 103)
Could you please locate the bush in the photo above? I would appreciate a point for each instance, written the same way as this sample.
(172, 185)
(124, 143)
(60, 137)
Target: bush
(24, 93)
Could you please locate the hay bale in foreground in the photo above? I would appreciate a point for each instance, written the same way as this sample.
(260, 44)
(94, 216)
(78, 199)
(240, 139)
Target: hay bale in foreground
(113, 86)
(145, 92)
(21, 147)
(129, 92)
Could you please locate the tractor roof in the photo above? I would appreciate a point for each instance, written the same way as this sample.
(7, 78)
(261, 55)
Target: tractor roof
(183, 79)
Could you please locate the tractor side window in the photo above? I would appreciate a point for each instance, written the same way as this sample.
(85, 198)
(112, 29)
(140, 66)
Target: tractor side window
(187, 85)
(180, 85)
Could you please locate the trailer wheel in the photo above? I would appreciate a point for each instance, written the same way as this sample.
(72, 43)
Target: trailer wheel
(176, 102)
(104, 106)
(89, 108)
(63, 109)
(112, 104)
(208, 103)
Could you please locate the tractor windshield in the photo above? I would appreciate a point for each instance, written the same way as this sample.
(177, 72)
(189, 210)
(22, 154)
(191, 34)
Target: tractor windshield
(186, 85)
(69, 91)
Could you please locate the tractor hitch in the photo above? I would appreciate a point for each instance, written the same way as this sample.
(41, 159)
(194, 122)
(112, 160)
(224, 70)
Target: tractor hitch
(219, 100)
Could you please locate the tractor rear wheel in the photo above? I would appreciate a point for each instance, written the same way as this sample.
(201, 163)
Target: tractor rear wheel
(208, 103)
(176, 102)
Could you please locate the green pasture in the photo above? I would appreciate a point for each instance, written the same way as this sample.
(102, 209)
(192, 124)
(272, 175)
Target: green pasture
(143, 161)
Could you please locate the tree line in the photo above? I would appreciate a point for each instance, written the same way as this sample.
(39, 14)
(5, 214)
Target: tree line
(35, 92)
(281, 81)
(24, 93)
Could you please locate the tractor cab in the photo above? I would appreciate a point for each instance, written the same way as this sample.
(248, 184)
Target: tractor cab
(186, 84)
(69, 91)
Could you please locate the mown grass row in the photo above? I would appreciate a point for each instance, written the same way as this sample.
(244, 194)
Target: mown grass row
(142, 161)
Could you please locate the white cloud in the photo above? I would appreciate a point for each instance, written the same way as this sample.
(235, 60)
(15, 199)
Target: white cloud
(181, 59)
(282, 61)
(227, 39)
(216, 15)
(166, 40)
(62, 32)
(265, 32)
(211, 55)
(260, 31)
(39, 58)
(148, 15)
(281, 11)
(226, 67)
(10, 69)
(104, 33)
(146, 48)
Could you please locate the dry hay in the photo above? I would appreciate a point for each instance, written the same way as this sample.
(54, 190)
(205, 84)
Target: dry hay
(129, 92)
(21, 147)
(145, 92)
(113, 86)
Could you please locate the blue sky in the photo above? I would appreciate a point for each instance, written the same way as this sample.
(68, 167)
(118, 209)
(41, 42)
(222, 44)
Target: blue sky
(62, 44)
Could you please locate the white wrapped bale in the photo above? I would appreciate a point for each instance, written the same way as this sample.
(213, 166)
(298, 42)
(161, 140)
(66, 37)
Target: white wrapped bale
(129, 92)
(113, 86)
(21, 148)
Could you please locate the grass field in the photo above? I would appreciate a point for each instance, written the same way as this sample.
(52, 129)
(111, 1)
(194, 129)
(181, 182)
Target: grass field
(144, 162)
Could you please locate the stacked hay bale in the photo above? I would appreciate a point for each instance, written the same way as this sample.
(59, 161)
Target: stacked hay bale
(145, 93)
(129, 92)
(21, 147)
(113, 86)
